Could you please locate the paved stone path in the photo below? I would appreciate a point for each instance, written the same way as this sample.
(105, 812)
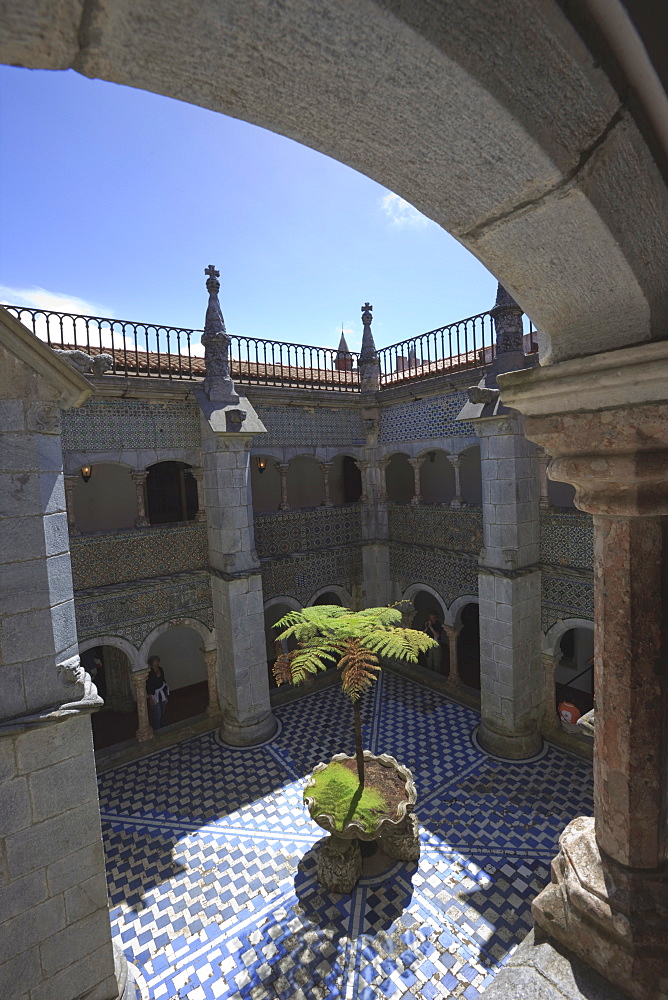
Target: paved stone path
(212, 875)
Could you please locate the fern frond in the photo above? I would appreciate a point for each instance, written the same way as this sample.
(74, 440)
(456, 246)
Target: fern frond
(358, 669)
(282, 669)
(399, 643)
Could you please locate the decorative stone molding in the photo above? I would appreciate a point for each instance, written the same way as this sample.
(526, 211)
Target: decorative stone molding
(457, 500)
(80, 689)
(416, 464)
(43, 418)
(325, 468)
(282, 468)
(70, 483)
(198, 475)
(139, 480)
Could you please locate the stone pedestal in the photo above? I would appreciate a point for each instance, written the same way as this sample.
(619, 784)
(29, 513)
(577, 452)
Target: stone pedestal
(608, 900)
(511, 684)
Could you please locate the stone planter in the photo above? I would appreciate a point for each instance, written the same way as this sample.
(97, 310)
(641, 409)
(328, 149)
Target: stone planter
(383, 812)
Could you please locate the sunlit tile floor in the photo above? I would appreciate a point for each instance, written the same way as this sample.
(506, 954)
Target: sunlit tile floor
(211, 867)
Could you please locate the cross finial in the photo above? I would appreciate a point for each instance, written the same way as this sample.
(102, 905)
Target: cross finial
(211, 271)
(366, 313)
(212, 283)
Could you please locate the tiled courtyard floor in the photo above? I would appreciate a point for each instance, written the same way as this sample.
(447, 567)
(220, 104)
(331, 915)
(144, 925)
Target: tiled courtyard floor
(212, 875)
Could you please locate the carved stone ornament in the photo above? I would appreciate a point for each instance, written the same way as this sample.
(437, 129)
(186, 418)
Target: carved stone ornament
(43, 418)
(72, 674)
(481, 394)
(97, 364)
(339, 864)
(218, 383)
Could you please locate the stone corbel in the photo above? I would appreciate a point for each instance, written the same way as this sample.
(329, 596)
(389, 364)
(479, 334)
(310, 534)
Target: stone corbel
(80, 689)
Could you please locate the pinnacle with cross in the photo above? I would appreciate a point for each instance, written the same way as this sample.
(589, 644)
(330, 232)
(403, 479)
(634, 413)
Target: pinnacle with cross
(212, 283)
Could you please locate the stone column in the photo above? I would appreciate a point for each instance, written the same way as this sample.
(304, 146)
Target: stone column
(198, 475)
(511, 682)
(607, 899)
(382, 469)
(325, 468)
(364, 469)
(144, 728)
(417, 489)
(283, 475)
(70, 483)
(551, 722)
(543, 462)
(211, 660)
(452, 632)
(139, 479)
(457, 498)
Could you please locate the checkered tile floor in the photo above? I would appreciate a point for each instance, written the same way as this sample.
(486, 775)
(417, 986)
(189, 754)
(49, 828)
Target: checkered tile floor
(211, 867)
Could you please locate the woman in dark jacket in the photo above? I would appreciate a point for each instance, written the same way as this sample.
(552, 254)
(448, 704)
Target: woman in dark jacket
(157, 690)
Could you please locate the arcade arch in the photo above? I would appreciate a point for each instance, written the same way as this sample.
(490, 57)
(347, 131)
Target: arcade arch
(306, 484)
(107, 501)
(470, 475)
(437, 477)
(109, 661)
(171, 493)
(399, 478)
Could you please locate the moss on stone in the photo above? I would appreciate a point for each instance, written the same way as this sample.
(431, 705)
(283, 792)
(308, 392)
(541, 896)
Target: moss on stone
(336, 792)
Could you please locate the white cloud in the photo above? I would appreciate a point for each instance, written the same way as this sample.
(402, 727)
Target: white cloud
(401, 214)
(70, 331)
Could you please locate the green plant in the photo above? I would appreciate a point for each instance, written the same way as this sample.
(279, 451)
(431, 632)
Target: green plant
(353, 640)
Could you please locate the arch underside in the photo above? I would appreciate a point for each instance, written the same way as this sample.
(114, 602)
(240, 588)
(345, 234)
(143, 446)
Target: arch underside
(524, 152)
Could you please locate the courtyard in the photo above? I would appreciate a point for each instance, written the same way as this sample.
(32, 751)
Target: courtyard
(211, 868)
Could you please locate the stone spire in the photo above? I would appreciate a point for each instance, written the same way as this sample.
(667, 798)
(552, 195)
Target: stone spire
(218, 384)
(344, 359)
(368, 352)
(507, 315)
(343, 345)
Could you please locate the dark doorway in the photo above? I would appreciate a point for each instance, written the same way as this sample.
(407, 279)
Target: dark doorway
(468, 646)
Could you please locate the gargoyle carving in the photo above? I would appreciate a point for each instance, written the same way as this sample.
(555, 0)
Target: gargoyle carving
(481, 394)
(86, 363)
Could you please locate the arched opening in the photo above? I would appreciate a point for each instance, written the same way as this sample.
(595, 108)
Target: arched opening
(345, 480)
(108, 501)
(272, 614)
(180, 651)
(171, 493)
(470, 476)
(428, 613)
(399, 479)
(329, 597)
(306, 485)
(437, 478)
(574, 672)
(561, 494)
(110, 670)
(468, 646)
(265, 484)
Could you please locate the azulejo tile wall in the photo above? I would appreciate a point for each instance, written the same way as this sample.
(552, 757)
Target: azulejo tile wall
(424, 418)
(450, 576)
(310, 426)
(130, 424)
(133, 612)
(437, 525)
(302, 575)
(286, 531)
(122, 556)
(565, 597)
(566, 539)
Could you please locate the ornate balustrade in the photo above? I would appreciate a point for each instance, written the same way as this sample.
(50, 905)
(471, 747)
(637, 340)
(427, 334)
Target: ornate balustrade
(566, 539)
(101, 560)
(281, 533)
(437, 526)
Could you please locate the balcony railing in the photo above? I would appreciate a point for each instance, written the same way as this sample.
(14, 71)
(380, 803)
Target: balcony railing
(155, 351)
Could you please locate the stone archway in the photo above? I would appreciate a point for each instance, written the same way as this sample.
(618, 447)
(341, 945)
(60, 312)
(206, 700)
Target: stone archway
(110, 661)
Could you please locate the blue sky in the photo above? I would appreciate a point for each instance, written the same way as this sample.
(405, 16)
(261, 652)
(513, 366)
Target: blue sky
(114, 200)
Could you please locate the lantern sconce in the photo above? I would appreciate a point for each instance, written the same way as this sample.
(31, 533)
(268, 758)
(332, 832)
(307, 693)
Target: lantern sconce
(86, 472)
(261, 463)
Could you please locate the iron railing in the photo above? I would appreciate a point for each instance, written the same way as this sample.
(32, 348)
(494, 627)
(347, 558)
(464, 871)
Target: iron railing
(468, 343)
(152, 350)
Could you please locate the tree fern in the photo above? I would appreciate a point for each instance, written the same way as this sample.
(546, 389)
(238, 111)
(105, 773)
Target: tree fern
(328, 633)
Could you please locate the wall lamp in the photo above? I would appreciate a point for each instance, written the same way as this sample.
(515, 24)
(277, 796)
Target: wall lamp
(86, 472)
(261, 463)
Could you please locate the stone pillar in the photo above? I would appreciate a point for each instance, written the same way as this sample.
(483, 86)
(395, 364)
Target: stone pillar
(543, 462)
(382, 468)
(70, 483)
(608, 898)
(139, 479)
(364, 471)
(325, 468)
(283, 475)
(54, 922)
(417, 489)
(551, 722)
(511, 682)
(452, 632)
(144, 728)
(457, 498)
(198, 475)
(211, 660)
(236, 584)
